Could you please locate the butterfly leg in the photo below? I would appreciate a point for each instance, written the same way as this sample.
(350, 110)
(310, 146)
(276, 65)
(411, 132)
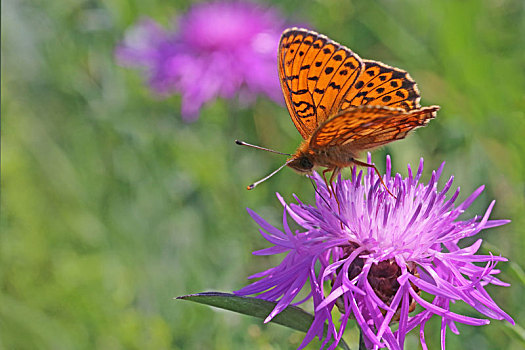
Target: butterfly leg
(328, 184)
(335, 172)
(358, 162)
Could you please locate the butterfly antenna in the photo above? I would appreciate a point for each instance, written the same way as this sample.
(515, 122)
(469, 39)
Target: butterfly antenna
(242, 143)
(252, 186)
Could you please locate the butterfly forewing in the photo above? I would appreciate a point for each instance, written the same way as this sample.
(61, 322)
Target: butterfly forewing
(336, 78)
(367, 127)
(298, 100)
(381, 85)
(315, 73)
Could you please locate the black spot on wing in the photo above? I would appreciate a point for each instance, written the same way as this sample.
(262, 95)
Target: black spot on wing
(300, 92)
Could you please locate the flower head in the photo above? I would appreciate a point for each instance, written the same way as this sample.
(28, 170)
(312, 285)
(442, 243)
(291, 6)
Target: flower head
(220, 49)
(374, 257)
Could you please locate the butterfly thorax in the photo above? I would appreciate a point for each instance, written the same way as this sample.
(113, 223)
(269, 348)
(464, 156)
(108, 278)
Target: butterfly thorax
(307, 158)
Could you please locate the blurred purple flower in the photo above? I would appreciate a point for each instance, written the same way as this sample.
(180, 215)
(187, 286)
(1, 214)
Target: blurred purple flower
(376, 254)
(221, 49)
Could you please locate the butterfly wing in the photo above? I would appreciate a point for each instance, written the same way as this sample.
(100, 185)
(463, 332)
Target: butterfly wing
(321, 78)
(382, 85)
(316, 73)
(366, 127)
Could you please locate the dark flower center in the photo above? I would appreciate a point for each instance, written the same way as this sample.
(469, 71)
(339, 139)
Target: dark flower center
(382, 276)
(383, 279)
(357, 265)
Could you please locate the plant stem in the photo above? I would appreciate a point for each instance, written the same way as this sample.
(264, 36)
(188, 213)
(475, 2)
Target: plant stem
(362, 345)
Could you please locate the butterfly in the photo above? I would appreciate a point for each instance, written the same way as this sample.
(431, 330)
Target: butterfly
(342, 104)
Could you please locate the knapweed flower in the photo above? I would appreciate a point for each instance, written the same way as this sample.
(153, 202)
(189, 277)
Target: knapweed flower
(220, 49)
(390, 263)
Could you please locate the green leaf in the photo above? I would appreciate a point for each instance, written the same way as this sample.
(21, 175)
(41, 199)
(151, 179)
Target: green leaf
(518, 272)
(515, 331)
(291, 317)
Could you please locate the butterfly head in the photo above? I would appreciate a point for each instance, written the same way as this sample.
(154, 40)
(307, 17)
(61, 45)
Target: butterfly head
(301, 163)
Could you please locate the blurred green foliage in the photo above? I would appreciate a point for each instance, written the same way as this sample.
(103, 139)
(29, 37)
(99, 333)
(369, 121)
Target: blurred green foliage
(112, 206)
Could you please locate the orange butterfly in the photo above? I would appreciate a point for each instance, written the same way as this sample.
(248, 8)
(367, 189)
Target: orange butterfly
(342, 104)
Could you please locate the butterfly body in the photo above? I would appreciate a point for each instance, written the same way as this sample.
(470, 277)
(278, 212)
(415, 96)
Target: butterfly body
(305, 159)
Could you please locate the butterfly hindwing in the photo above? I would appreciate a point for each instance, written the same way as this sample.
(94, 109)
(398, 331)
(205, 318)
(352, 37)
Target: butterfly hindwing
(366, 127)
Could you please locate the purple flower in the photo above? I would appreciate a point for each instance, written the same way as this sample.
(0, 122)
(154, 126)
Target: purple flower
(220, 49)
(374, 256)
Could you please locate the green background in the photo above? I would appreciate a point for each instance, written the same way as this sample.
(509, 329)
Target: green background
(111, 205)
